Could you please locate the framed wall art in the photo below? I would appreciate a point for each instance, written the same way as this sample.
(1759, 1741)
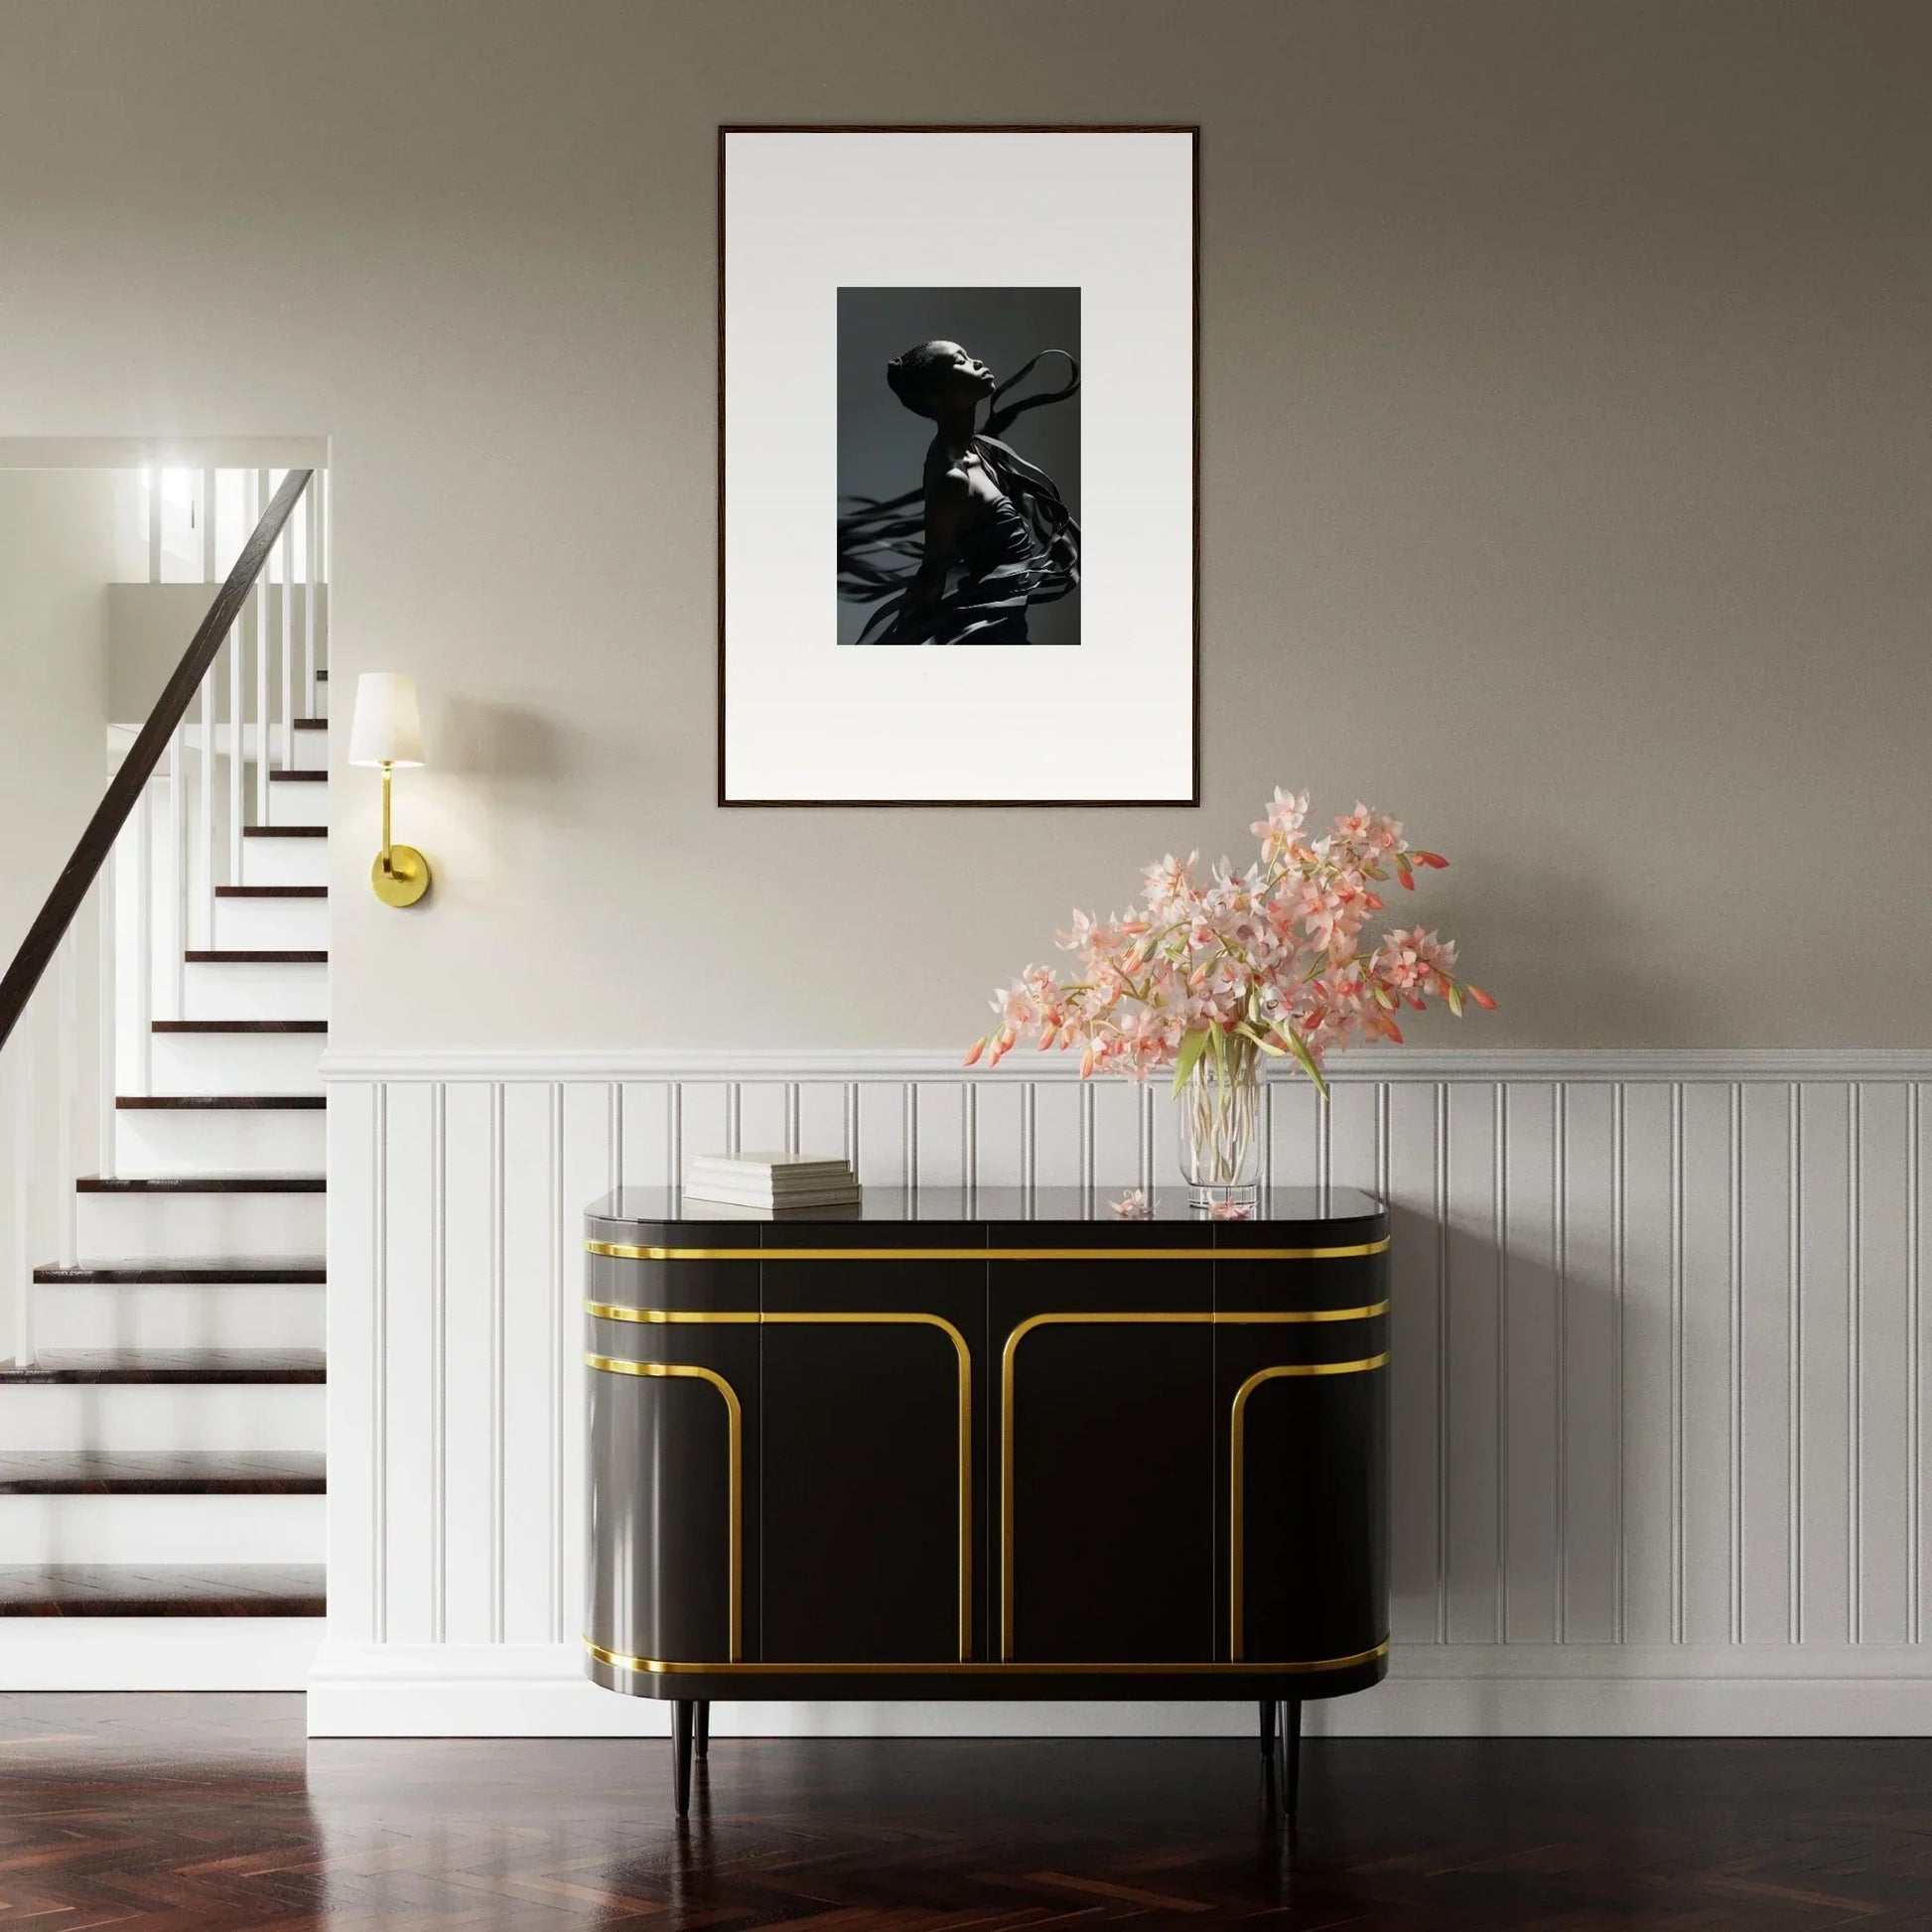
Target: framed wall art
(958, 465)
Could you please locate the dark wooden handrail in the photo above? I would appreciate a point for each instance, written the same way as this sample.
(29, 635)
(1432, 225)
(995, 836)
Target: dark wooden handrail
(71, 889)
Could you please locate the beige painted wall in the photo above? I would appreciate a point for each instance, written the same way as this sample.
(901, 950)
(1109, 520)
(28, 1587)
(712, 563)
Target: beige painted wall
(1565, 473)
(57, 545)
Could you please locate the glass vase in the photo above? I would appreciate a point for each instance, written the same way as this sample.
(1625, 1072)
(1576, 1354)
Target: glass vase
(1220, 1129)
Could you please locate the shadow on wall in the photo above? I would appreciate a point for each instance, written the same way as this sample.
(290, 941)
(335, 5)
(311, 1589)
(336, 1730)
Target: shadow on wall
(1570, 945)
(501, 778)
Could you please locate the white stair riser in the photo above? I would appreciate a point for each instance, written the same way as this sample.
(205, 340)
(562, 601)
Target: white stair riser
(310, 752)
(270, 990)
(237, 1062)
(169, 1227)
(284, 862)
(272, 924)
(163, 1416)
(162, 1529)
(298, 805)
(180, 1315)
(219, 1140)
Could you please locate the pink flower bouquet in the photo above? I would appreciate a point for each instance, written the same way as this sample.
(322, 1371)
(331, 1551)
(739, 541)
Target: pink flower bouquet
(1204, 978)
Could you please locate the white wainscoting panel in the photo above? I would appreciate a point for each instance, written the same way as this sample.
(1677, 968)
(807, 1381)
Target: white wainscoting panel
(1659, 1427)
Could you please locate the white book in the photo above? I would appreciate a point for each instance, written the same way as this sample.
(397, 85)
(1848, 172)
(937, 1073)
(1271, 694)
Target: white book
(841, 1197)
(777, 1167)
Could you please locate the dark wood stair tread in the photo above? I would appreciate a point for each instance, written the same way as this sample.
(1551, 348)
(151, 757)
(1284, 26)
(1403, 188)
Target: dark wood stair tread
(298, 777)
(299, 1103)
(285, 831)
(214, 1271)
(271, 891)
(161, 1472)
(253, 956)
(241, 1025)
(145, 1365)
(312, 723)
(163, 1590)
(202, 1183)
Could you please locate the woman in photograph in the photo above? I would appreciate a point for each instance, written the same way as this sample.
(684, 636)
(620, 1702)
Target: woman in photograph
(961, 559)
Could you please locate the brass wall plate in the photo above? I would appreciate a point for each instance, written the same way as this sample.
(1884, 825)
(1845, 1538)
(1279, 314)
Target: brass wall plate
(404, 880)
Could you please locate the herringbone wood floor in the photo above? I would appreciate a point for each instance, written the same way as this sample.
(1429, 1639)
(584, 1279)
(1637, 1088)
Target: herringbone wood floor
(165, 1812)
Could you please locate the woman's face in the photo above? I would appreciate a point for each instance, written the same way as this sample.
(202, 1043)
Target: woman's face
(965, 379)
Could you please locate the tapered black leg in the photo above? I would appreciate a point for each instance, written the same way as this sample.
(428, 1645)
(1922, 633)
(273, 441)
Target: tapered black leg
(704, 1730)
(1291, 1757)
(681, 1714)
(1268, 1727)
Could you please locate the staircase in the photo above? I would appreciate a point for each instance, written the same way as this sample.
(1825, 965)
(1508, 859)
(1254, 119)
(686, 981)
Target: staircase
(162, 1424)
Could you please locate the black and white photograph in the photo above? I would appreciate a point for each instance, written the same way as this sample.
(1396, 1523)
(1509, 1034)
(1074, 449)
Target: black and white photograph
(959, 466)
(957, 386)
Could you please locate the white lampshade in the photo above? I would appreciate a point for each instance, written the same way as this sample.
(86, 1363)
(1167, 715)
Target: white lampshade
(386, 729)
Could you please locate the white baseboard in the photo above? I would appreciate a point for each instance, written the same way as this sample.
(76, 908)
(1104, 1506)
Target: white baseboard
(1454, 1691)
(158, 1653)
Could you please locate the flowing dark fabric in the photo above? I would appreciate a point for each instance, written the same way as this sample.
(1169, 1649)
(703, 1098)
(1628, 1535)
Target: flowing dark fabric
(1020, 551)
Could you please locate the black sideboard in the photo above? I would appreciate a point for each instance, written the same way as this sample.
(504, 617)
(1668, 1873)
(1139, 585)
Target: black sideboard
(987, 1445)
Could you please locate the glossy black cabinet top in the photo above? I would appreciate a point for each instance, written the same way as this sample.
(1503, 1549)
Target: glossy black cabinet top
(1333, 1214)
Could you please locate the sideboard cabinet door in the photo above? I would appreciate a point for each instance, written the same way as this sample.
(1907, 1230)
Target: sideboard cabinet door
(1104, 1476)
(1302, 1393)
(873, 1529)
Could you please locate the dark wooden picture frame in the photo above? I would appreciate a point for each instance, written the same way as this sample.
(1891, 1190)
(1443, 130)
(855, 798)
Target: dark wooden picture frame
(1192, 131)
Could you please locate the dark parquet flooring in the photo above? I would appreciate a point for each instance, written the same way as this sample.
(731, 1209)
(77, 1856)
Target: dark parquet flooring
(165, 1812)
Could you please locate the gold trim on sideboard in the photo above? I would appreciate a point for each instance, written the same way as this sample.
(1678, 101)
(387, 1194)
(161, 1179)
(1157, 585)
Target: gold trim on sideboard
(735, 1423)
(619, 1251)
(609, 1312)
(658, 1667)
(1237, 1475)
(1190, 1316)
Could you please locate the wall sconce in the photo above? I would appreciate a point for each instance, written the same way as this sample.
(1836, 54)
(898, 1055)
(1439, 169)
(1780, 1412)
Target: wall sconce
(387, 731)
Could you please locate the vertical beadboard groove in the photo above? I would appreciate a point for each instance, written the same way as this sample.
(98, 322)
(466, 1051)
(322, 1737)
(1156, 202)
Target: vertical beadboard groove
(1853, 1367)
(439, 1362)
(1559, 1342)
(1499, 1234)
(557, 1359)
(1736, 1412)
(1619, 1267)
(379, 1369)
(1443, 1393)
(416, 1156)
(1677, 1361)
(1914, 1374)
(1795, 1368)
(497, 1364)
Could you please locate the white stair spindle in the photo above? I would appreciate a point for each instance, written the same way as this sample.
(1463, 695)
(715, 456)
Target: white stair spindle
(156, 480)
(177, 849)
(236, 642)
(67, 1076)
(205, 894)
(312, 571)
(325, 571)
(143, 941)
(105, 924)
(25, 1143)
(288, 651)
(211, 498)
(261, 701)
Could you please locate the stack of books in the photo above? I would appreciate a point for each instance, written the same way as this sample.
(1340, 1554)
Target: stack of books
(772, 1182)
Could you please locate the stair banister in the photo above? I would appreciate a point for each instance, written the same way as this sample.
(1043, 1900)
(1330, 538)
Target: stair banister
(69, 892)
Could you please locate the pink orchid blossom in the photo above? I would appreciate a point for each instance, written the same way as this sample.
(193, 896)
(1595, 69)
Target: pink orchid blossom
(1275, 958)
